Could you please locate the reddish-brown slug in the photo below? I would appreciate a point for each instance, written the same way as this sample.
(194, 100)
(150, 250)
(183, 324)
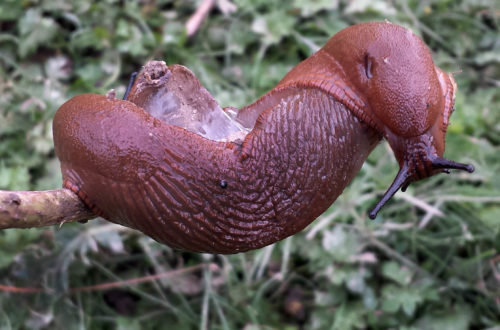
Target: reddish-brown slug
(171, 163)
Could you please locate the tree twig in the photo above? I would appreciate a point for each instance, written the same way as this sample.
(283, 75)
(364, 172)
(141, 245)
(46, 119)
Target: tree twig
(116, 284)
(194, 22)
(28, 209)
(147, 278)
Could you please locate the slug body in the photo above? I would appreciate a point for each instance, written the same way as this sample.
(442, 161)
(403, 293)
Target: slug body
(307, 138)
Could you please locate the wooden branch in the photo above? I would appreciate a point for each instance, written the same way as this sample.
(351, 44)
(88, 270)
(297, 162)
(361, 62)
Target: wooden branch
(28, 209)
(194, 22)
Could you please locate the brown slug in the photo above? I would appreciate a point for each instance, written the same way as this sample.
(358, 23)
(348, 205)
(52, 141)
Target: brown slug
(169, 162)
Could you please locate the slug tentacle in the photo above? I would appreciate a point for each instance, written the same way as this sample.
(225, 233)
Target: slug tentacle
(129, 86)
(404, 178)
(401, 180)
(445, 164)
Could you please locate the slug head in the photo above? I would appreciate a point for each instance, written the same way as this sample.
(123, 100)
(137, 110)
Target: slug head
(409, 99)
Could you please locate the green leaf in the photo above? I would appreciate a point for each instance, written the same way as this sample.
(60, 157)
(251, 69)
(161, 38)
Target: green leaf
(370, 300)
(133, 40)
(456, 318)
(95, 38)
(399, 274)
(342, 244)
(349, 316)
(309, 8)
(490, 216)
(340, 274)
(395, 298)
(273, 26)
(379, 6)
(484, 58)
(173, 33)
(35, 30)
(13, 240)
(10, 10)
(126, 323)
(14, 178)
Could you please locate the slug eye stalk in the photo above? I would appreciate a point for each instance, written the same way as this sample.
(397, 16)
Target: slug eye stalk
(406, 175)
(445, 164)
(130, 84)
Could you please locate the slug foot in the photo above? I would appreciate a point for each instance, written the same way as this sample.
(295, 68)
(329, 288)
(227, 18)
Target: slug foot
(83, 196)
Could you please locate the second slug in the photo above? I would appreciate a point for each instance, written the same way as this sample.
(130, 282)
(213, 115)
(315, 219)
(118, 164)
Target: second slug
(171, 163)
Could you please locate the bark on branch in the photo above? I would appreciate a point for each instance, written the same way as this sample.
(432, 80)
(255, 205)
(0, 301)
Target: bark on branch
(28, 209)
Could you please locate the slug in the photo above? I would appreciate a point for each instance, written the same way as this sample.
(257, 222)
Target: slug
(171, 163)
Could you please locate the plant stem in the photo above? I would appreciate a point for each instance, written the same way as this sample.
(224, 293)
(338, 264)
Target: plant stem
(28, 209)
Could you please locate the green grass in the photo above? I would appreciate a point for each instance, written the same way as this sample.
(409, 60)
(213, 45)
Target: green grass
(408, 269)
